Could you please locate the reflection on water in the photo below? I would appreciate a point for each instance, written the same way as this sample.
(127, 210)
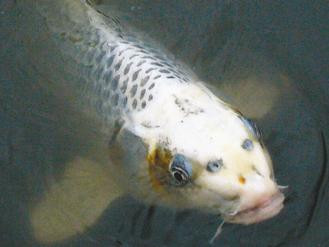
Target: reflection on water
(265, 58)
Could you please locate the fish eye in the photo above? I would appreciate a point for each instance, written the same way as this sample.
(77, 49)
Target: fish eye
(180, 170)
(215, 166)
(251, 125)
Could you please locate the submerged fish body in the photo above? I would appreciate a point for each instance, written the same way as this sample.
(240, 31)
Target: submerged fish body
(178, 143)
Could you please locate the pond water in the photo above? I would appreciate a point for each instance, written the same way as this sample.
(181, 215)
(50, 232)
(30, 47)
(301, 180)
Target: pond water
(269, 59)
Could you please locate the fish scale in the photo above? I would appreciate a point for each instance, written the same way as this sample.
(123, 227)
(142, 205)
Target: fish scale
(123, 70)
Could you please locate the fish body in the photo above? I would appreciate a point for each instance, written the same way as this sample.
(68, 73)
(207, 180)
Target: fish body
(178, 143)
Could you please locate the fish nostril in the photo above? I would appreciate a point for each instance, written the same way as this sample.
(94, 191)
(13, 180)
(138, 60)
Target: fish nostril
(247, 145)
(242, 179)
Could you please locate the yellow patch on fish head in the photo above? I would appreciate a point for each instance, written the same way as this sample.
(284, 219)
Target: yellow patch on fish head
(158, 165)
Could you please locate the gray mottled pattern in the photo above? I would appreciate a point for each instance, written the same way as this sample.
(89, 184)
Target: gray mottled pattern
(123, 70)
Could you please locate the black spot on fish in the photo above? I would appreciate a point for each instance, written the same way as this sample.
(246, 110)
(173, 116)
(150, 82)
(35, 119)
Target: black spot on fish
(143, 104)
(157, 77)
(131, 57)
(150, 97)
(135, 75)
(170, 77)
(133, 90)
(160, 57)
(127, 68)
(113, 47)
(149, 57)
(176, 74)
(118, 65)
(138, 46)
(120, 53)
(168, 64)
(173, 70)
(164, 71)
(149, 70)
(143, 51)
(142, 93)
(151, 86)
(144, 81)
(116, 20)
(141, 62)
(124, 86)
(181, 72)
(110, 61)
(157, 64)
(134, 104)
(115, 82)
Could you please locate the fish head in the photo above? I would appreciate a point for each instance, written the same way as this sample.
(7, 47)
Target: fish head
(203, 154)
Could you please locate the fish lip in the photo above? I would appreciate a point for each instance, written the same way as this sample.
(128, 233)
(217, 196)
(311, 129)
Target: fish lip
(258, 213)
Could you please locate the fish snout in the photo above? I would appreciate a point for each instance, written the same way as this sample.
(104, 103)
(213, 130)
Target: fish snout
(258, 204)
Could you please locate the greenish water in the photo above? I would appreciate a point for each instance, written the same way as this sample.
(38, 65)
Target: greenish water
(268, 58)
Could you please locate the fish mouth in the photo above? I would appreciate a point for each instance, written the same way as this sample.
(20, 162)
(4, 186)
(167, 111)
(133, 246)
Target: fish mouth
(262, 211)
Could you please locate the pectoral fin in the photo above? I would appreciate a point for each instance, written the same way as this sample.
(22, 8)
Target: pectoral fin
(74, 202)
